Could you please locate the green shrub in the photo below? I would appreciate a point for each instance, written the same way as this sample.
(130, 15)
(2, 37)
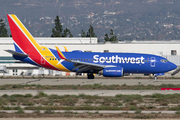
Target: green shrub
(88, 102)
(38, 86)
(17, 95)
(54, 96)
(119, 104)
(20, 111)
(3, 88)
(177, 112)
(88, 96)
(36, 111)
(108, 108)
(150, 107)
(28, 103)
(49, 111)
(12, 99)
(17, 108)
(7, 108)
(28, 95)
(158, 95)
(34, 108)
(143, 116)
(42, 94)
(74, 87)
(129, 98)
(138, 112)
(164, 103)
(17, 86)
(119, 96)
(132, 107)
(103, 108)
(174, 108)
(5, 96)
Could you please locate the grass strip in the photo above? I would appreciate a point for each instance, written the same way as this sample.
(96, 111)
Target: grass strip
(86, 87)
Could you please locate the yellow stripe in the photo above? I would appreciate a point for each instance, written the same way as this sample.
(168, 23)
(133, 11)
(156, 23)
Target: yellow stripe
(47, 55)
(65, 48)
(26, 32)
(59, 51)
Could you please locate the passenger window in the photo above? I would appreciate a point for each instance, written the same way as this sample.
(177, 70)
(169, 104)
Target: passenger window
(95, 60)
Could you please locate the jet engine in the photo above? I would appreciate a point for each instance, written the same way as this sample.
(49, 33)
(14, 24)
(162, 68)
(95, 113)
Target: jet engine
(113, 72)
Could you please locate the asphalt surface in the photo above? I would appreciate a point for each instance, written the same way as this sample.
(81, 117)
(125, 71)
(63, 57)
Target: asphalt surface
(88, 92)
(88, 81)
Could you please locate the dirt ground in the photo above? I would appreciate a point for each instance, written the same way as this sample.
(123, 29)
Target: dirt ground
(78, 119)
(87, 116)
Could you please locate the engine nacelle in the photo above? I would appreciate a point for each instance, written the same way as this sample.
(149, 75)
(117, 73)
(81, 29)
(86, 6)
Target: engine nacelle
(113, 72)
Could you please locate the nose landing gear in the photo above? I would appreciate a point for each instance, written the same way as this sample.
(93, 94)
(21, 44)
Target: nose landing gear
(90, 76)
(155, 77)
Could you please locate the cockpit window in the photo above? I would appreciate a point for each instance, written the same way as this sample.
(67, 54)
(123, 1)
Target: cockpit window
(164, 60)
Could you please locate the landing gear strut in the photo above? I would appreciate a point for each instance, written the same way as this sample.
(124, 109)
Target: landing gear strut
(90, 76)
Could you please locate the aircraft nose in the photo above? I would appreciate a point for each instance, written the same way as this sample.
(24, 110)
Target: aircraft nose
(172, 66)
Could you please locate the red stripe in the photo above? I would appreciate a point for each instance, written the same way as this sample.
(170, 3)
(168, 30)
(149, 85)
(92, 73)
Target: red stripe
(170, 88)
(26, 46)
(60, 55)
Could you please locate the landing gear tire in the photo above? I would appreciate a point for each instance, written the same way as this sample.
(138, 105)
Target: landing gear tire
(90, 76)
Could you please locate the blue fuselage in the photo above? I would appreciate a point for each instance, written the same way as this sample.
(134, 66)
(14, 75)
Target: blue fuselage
(130, 62)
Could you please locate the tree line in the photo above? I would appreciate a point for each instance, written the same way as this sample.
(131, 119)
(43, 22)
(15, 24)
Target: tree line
(3, 30)
(58, 31)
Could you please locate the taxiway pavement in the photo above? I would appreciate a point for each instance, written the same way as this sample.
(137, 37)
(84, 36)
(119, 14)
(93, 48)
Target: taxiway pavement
(88, 81)
(88, 92)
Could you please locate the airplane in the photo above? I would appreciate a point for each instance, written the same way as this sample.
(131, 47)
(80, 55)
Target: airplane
(109, 64)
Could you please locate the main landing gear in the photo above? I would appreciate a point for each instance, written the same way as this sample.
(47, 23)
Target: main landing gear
(90, 76)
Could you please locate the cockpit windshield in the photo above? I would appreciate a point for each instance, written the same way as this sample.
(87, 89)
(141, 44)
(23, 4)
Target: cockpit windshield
(164, 60)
